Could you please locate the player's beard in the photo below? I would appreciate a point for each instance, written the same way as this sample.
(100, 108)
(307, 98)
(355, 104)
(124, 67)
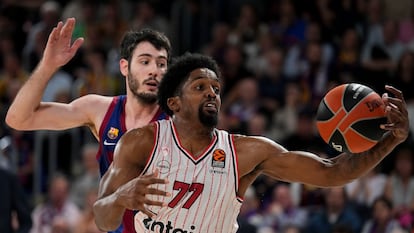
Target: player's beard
(209, 120)
(147, 98)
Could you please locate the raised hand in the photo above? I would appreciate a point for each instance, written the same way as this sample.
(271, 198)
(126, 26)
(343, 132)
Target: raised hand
(59, 48)
(397, 114)
(133, 195)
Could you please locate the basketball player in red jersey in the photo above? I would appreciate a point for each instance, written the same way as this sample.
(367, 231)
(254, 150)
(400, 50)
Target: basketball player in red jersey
(144, 59)
(185, 175)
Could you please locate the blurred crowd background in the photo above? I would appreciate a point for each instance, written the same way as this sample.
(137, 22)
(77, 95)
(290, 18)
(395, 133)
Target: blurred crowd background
(278, 59)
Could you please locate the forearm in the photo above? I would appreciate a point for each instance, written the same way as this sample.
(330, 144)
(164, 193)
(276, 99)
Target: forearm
(108, 214)
(352, 166)
(29, 96)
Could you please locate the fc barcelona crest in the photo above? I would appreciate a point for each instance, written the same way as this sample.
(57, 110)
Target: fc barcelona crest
(113, 133)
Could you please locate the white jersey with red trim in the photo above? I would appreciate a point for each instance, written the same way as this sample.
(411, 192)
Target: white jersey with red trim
(203, 189)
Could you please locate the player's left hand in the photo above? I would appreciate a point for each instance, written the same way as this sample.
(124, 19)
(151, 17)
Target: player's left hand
(396, 112)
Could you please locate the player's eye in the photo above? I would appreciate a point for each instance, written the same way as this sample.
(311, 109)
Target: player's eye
(216, 90)
(199, 87)
(162, 65)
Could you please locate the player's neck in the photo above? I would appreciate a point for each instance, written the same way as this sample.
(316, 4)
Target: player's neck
(194, 137)
(138, 114)
(193, 129)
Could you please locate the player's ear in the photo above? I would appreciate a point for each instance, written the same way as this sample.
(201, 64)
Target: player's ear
(123, 67)
(173, 104)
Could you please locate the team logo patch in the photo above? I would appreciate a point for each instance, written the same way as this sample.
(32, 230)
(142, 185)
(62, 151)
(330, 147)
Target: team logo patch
(164, 166)
(218, 158)
(113, 133)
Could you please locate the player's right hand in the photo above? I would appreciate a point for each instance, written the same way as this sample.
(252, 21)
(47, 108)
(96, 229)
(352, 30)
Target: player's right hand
(59, 48)
(133, 195)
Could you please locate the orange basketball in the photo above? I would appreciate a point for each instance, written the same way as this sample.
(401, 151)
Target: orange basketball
(349, 118)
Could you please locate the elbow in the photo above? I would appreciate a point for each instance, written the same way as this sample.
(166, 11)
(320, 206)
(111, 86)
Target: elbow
(12, 122)
(102, 223)
(15, 121)
(103, 227)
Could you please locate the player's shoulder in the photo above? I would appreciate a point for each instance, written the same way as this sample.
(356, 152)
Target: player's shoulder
(93, 100)
(244, 142)
(98, 99)
(240, 138)
(137, 143)
(145, 135)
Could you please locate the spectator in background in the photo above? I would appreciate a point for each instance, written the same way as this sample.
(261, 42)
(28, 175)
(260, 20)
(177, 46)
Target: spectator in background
(335, 211)
(12, 74)
(296, 61)
(317, 76)
(284, 119)
(50, 12)
(95, 78)
(57, 211)
(364, 190)
(14, 205)
(404, 79)
(379, 58)
(242, 104)
(217, 46)
(382, 220)
(249, 218)
(401, 11)
(89, 178)
(247, 25)
(305, 135)
(146, 16)
(272, 82)
(287, 28)
(257, 125)
(86, 222)
(291, 229)
(233, 68)
(282, 212)
(400, 185)
(347, 62)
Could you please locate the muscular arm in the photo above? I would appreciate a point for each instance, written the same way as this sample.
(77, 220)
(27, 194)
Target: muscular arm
(121, 187)
(27, 112)
(259, 155)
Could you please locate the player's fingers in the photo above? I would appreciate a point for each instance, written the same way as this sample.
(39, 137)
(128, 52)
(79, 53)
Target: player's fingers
(155, 191)
(396, 92)
(147, 212)
(77, 44)
(146, 181)
(54, 35)
(68, 28)
(389, 126)
(153, 174)
(154, 203)
(395, 103)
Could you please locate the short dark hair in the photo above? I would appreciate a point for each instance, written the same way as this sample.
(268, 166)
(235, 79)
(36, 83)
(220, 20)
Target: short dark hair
(132, 38)
(178, 72)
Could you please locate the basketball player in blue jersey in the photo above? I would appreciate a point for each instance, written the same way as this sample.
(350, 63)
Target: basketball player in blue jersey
(144, 59)
(185, 175)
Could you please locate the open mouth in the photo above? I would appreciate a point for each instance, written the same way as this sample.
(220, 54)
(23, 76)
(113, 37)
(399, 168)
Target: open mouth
(211, 107)
(151, 83)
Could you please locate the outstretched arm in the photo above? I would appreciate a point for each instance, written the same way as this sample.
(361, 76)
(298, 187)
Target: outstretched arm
(299, 166)
(121, 187)
(27, 112)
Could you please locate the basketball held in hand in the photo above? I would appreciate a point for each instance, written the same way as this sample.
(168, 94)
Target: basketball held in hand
(349, 118)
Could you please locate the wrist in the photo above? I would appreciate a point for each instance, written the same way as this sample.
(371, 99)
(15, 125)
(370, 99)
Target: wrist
(47, 69)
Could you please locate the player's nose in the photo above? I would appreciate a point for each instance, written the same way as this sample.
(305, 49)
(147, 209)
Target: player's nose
(211, 93)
